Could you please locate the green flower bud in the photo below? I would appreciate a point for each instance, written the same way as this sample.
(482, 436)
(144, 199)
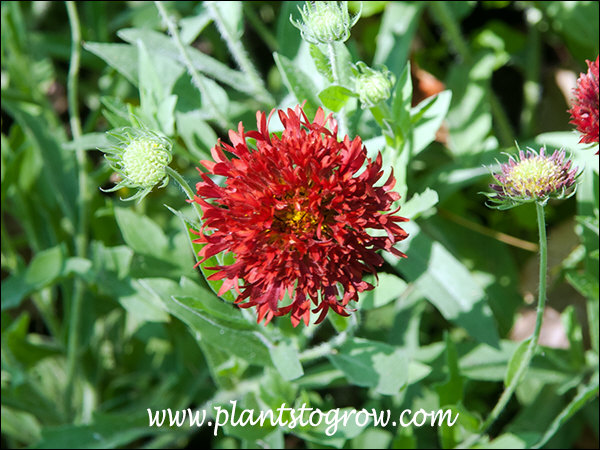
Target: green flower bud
(144, 162)
(141, 158)
(325, 22)
(372, 86)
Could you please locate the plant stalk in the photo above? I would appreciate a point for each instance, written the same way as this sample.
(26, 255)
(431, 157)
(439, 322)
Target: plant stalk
(533, 340)
(335, 72)
(81, 238)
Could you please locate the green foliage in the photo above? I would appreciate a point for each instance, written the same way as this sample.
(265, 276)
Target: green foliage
(441, 328)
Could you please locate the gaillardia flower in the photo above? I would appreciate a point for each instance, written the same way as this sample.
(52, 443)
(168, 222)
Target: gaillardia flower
(584, 113)
(533, 177)
(141, 158)
(296, 212)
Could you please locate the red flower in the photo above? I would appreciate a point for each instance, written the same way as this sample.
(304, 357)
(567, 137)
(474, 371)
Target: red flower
(584, 112)
(295, 211)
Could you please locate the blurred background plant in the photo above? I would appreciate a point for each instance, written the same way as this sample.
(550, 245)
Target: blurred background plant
(104, 315)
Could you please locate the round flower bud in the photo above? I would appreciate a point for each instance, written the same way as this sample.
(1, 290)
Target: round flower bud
(325, 22)
(372, 86)
(533, 177)
(144, 162)
(141, 158)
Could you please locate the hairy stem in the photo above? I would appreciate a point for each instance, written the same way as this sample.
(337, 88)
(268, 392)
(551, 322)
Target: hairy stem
(533, 340)
(196, 77)
(237, 50)
(335, 72)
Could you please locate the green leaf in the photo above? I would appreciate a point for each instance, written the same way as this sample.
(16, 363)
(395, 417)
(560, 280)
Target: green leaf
(388, 288)
(141, 233)
(420, 203)
(401, 103)
(285, 359)
(122, 57)
(20, 426)
(58, 164)
(585, 283)
(298, 83)
(515, 361)
(321, 62)
(372, 364)
(46, 268)
(198, 136)
(233, 20)
(470, 117)
(451, 391)
(105, 431)
(398, 25)
(335, 97)
(447, 284)
(244, 344)
(89, 141)
(164, 45)
(575, 337)
(192, 26)
(427, 117)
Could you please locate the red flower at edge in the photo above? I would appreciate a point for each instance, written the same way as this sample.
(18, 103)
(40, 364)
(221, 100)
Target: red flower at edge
(584, 112)
(295, 211)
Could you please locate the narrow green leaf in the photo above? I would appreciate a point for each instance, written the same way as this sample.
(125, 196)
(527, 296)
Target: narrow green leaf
(427, 117)
(321, 62)
(398, 25)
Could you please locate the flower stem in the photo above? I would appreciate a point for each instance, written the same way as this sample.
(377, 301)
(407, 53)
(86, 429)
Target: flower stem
(335, 72)
(533, 340)
(82, 199)
(186, 188)
(196, 77)
(234, 43)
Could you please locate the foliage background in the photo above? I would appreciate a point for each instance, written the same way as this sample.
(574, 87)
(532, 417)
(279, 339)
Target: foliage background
(441, 327)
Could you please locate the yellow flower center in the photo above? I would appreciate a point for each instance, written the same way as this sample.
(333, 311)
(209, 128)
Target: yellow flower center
(533, 175)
